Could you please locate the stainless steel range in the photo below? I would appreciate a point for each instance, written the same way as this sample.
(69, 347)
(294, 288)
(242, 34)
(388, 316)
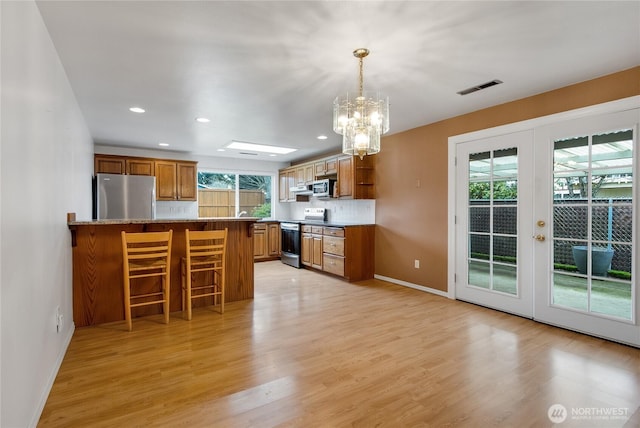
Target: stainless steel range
(292, 238)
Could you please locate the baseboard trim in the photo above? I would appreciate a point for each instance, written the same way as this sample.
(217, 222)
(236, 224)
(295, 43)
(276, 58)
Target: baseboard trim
(412, 285)
(52, 377)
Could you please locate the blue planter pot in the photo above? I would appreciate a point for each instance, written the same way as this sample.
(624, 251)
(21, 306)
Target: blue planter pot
(600, 259)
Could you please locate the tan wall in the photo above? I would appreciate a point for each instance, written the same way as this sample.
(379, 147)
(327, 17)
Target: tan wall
(412, 221)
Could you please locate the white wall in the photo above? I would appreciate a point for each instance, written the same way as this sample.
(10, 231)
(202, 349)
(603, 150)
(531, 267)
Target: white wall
(46, 159)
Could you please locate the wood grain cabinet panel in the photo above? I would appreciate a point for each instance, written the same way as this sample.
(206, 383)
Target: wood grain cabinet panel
(105, 164)
(344, 251)
(273, 239)
(259, 241)
(140, 166)
(333, 264)
(333, 245)
(317, 259)
(306, 248)
(266, 241)
(176, 181)
(166, 181)
(187, 173)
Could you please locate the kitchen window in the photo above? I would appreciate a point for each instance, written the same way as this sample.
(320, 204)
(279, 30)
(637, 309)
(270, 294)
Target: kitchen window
(233, 195)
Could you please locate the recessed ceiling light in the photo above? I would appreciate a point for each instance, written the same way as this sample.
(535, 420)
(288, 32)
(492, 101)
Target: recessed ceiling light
(322, 137)
(221, 150)
(272, 154)
(202, 120)
(136, 109)
(240, 145)
(163, 144)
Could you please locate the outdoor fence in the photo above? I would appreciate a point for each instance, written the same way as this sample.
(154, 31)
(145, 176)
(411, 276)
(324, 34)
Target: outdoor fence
(611, 225)
(221, 202)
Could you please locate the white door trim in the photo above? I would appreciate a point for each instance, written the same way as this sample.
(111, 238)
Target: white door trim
(609, 107)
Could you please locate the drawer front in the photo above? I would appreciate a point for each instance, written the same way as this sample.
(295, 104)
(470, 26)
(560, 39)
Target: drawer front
(333, 264)
(259, 226)
(317, 230)
(306, 229)
(333, 245)
(333, 231)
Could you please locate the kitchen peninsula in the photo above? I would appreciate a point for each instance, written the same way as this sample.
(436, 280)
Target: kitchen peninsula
(97, 263)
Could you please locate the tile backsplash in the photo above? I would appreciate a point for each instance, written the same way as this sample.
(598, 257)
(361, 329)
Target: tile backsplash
(176, 210)
(348, 211)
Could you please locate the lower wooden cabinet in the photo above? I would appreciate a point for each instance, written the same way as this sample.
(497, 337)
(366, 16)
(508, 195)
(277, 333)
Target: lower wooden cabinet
(344, 251)
(266, 241)
(311, 251)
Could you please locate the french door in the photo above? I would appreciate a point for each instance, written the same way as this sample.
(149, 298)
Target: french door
(588, 263)
(493, 221)
(546, 224)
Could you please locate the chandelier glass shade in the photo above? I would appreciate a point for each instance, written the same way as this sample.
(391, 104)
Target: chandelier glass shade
(361, 118)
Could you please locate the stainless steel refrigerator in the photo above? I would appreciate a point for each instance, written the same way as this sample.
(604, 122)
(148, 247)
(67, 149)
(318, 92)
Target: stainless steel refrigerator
(124, 197)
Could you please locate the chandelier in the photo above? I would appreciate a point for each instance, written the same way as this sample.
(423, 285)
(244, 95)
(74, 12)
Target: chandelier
(361, 119)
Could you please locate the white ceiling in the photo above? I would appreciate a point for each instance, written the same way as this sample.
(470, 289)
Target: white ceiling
(267, 71)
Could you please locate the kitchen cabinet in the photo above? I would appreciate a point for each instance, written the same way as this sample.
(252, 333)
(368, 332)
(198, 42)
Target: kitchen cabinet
(309, 173)
(347, 251)
(328, 166)
(266, 241)
(300, 178)
(356, 177)
(273, 239)
(176, 180)
(291, 182)
(187, 181)
(259, 241)
(311, 251)
(283, 186)
(105, 164)
(135, 166)
(333, 255)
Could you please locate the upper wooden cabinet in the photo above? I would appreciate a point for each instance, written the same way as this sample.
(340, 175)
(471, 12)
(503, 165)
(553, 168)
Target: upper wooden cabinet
(105, 164)
(309, 173)
(355, 177)
(283, 186)
(175, 180)
(187, 181)
(328, 166)
(140, 166)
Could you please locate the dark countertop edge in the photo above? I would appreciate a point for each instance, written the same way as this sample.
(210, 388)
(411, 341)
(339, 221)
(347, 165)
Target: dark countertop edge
(161, 221)
(327, 223)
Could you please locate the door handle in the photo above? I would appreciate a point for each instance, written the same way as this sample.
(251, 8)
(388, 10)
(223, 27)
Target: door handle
(540, 238)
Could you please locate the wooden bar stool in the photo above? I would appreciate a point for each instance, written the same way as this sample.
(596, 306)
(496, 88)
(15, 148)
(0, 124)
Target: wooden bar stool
(206, 252)
(146, 255)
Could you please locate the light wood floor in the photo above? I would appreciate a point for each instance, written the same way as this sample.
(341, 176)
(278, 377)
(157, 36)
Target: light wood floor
(313, 351)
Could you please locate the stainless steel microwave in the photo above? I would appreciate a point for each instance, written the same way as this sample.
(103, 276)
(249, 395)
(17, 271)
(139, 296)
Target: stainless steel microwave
(323, 188)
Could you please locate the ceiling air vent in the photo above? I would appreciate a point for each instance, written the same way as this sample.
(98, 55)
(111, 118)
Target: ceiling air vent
(479, 87)
(249, 154)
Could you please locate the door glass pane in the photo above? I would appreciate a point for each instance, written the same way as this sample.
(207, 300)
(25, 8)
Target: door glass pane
(593, 223)
(493, 220)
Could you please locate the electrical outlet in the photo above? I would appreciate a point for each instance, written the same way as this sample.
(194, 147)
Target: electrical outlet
(59, 319)
(416, 264)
